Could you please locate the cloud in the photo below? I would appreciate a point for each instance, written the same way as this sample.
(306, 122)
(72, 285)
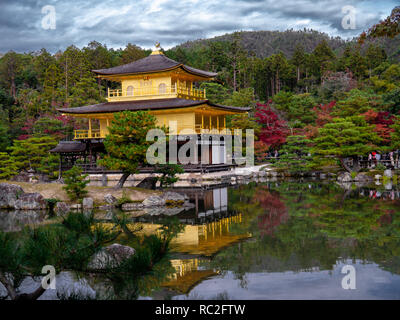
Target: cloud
(169, 21)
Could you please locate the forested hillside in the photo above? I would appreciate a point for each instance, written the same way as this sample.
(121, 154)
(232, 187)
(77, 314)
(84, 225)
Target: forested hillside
(266, 43)
(301, 81)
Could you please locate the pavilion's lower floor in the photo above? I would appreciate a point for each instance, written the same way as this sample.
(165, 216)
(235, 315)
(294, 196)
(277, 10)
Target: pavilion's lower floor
(211, 156)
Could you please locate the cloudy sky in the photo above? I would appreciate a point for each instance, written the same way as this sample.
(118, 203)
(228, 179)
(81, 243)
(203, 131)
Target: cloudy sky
(28, 25)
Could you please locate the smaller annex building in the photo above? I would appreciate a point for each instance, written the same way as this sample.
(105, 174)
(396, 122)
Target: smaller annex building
(165, 88)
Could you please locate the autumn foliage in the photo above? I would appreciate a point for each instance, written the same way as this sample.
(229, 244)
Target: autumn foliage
(274, 130)
(382, 121)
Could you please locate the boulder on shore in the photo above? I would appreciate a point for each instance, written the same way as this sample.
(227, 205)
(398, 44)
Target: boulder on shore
(13, 197)
(110, 257)
(9, 194)
(148, 183)
(30, 201)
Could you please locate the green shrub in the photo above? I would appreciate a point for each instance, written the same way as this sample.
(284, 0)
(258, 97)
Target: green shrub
(124, 199)
(76, 183)
(168, 174)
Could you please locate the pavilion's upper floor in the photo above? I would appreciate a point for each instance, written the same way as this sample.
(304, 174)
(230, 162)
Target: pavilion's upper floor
(155, 77)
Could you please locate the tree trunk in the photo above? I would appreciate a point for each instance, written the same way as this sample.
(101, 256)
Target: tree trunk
(234, 76)
(277, 89)
(31, 296)
(13, 88)
(344, 165)
(122, 180)
(356, 165)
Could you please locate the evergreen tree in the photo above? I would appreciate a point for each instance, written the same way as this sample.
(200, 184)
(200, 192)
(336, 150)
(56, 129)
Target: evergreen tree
(132, 53)
(28, 154)
(299, 59)
(343, 138)
(295, 155)
(215, 92)
(242, 98)
(10, 67)
(323, 59)
(8, 167)
(395, 135)
(168, 174)
(75, 183)
(126, 143)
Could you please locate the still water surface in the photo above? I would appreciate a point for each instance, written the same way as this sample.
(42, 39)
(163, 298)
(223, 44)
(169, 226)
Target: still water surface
(280, 240)
(289, 241)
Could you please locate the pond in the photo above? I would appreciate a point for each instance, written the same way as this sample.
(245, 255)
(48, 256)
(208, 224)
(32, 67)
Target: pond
(282, 240)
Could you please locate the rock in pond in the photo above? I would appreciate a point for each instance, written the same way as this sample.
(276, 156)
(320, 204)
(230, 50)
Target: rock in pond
(363, 177)
(344, 177)
(388, 173)
(87, 203)
(174, 199)
(110, 199)
(154, 201)
(132, 206)
(62, 208)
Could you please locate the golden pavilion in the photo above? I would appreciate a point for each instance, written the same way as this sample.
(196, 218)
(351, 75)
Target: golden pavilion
(165, 88)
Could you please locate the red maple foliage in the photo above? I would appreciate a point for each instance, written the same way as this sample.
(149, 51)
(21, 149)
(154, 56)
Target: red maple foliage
(274, 130)
(323, 113)
(382, 121)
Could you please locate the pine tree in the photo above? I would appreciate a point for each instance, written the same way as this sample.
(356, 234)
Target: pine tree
(395, 136)
(75, 183)
(346, 138)
(298, 59)
(8, 167)
(294, 155)
(126, 143)
(323, 58)
(132, 53)
(28, 154)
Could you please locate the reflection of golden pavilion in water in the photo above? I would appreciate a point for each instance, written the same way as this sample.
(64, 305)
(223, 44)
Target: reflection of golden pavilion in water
(205, 239)
(188, 274)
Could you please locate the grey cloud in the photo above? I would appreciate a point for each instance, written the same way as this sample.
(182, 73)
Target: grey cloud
(171, 22)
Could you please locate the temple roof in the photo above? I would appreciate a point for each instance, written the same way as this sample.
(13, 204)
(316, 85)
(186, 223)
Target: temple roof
(154, 104)
(150, 64)
(69, 147)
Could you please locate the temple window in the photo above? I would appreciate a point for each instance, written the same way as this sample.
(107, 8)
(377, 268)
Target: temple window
(129, 91)
(162, 88)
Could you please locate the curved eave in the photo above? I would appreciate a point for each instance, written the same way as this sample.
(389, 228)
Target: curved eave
(208, 76)
(151, 105)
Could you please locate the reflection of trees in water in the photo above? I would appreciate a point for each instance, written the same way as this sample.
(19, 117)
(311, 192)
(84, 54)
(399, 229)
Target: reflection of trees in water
(275, 214)
(301, 226)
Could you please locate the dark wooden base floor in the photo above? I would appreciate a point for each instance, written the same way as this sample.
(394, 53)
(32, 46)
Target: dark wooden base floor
(93, 169)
